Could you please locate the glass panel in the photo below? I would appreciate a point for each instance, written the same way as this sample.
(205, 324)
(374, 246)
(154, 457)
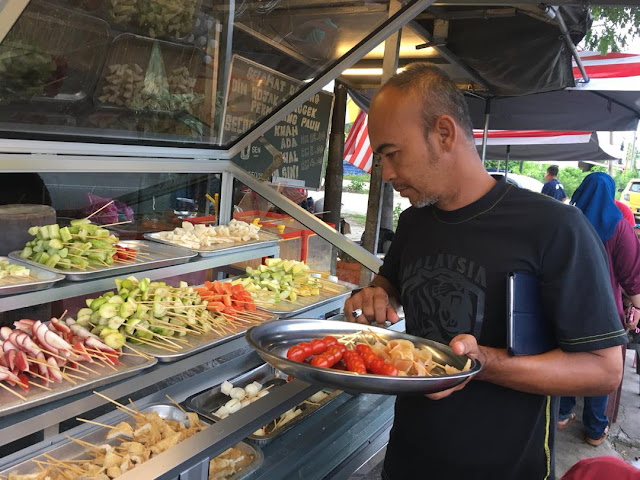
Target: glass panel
(179, 72)
(144, 202)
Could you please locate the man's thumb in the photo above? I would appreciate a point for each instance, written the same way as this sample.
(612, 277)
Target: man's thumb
(462, 344)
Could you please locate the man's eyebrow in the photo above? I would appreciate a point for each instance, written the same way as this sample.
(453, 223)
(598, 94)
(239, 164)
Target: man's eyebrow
(382, 147)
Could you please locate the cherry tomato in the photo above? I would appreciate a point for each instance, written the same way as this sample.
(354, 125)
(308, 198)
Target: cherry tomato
(354, 362)
(308, 350)
(389, 369)
(329, 340)
(318, 346)
(296, 354)
(320, 361)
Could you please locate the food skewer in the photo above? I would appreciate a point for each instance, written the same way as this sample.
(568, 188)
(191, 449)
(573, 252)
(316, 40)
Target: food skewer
(177, 404)
(100, 209)
(14, 393)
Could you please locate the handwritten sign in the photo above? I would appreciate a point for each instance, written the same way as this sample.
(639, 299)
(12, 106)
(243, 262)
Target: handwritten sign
(254, 92)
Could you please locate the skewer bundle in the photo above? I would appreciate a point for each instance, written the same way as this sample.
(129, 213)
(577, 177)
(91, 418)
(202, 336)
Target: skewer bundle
(158, 315)
(51, 352)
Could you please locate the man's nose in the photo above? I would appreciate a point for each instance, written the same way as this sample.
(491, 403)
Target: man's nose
(388, 174)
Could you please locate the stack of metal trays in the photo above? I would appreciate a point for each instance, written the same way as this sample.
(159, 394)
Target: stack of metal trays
(208, 402)
(152, 255)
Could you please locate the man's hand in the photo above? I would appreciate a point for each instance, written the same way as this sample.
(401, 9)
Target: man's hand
(370, 303)
(462, 345)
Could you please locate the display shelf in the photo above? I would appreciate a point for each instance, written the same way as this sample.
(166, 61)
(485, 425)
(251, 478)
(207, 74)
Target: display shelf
(30, 421)
(66, 289)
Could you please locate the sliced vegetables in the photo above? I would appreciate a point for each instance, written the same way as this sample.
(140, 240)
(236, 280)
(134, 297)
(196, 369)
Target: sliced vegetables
(285, 279)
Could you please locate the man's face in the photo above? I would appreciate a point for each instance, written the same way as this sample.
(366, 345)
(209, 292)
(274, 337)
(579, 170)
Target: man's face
(547, 177)
(409, 161)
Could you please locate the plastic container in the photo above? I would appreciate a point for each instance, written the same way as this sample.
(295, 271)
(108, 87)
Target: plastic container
(52, 54)
(124, 84)
(316, 251)
(164, 19)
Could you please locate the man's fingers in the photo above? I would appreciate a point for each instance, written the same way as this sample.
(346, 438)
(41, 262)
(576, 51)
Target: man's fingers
(392, 315)
(446, 393)
(380, 305)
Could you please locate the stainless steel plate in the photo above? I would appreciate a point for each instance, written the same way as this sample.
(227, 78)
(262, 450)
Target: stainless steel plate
(197, 343)
(266, 240)
(272, 341)
(156, 256)
(129, 366)
(39, 279)
(285, 309)
(207, 402)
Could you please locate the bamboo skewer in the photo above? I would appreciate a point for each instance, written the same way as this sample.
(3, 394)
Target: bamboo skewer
(100, 209)
(177, 405)
(84, 444)
(134, 406)
(64, 463)
(14, 393)
(125, 408)
(94, 423)
(116, 223)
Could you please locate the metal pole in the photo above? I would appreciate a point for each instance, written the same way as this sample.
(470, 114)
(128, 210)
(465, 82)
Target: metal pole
(334, 175)
(485, 133)
(554, 12)
(506, 162)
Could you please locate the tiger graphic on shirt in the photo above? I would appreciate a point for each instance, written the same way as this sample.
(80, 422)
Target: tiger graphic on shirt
(443, 295)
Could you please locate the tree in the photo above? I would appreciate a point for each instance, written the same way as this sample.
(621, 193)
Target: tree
(612, 28)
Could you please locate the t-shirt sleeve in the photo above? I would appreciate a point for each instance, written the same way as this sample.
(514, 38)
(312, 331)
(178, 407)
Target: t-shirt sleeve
(626, 258)
(576, 288)
(547, 190)
(391, 263)
(560, 193)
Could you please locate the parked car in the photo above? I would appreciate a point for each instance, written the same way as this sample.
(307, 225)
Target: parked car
(521, 181)
(631, 196)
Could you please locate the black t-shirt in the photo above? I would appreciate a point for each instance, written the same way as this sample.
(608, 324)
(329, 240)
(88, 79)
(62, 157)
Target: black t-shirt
(450, 268)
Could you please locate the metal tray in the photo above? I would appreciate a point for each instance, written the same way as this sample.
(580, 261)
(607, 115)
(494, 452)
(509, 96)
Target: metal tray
(197, 344)
(266, 240)
(162, 256)
(129, 366)
(38, 279)
(272, 341)
(286, 309)
(207, 402)
(68, 450)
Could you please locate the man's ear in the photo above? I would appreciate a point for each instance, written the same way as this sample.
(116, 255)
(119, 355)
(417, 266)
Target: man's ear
(446, 131)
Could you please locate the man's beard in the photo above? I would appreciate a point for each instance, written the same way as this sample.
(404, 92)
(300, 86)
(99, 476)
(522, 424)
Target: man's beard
(425, 201)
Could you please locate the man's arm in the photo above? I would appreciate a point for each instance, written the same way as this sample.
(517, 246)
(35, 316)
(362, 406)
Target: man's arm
(597, 372)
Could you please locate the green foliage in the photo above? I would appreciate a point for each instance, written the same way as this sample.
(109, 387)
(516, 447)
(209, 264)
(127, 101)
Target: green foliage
(397, 210)
(612, 28)
(364, 177)
(356, 186)
(571, 177)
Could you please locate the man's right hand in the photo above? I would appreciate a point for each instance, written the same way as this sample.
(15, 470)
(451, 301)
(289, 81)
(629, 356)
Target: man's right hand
(374, 304)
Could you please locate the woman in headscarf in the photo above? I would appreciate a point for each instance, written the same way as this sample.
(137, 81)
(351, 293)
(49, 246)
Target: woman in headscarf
(595, 197)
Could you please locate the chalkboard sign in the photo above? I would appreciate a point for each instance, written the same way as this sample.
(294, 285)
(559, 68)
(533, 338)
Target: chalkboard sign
(254, 92)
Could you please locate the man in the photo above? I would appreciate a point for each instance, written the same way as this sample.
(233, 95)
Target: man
(553, 188)
(448, 265)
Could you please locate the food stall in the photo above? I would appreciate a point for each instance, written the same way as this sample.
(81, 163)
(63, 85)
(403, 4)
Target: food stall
(137, 125)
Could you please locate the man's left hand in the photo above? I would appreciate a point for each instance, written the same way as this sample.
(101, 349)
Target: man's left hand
(461, 345)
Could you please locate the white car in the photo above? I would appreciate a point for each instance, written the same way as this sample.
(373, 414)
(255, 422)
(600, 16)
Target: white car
(521, 181)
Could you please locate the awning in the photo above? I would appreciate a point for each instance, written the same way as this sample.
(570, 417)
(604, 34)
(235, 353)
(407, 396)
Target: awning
(609, 102)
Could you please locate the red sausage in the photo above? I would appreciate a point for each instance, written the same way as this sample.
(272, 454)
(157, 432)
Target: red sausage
(354, 362)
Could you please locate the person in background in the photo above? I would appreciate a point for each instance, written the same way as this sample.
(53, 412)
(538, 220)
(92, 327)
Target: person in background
(606, 467)
(448, 266)
(626, 213)
(553, 188)
(595, 197)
